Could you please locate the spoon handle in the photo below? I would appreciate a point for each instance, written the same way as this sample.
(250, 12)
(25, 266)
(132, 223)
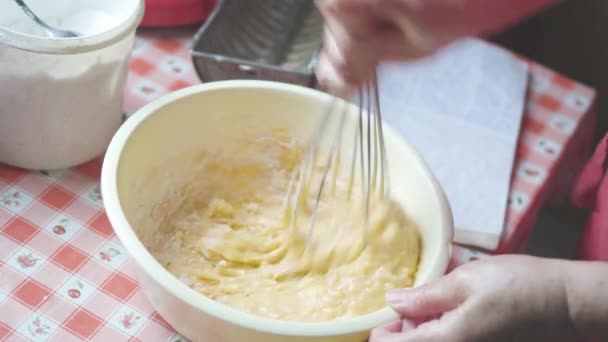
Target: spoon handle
(31, 14)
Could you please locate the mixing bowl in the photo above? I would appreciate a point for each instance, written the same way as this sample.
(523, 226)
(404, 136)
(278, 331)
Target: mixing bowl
(209, 116)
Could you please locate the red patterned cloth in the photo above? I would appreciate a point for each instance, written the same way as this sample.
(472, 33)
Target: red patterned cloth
(64, 276)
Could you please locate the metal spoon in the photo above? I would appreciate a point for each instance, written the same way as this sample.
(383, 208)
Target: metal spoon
(50, 31)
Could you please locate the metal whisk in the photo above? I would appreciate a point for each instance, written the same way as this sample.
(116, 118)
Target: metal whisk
(369, 157)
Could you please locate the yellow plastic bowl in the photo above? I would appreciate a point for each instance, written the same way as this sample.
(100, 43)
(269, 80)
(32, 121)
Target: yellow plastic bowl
(210, 114)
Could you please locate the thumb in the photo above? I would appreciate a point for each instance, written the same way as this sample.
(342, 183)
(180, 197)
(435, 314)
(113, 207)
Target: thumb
(427, 300)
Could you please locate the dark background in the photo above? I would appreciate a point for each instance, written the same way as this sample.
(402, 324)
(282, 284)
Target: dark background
(571, 38)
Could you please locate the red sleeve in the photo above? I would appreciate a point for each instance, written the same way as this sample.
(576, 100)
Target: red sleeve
(490, 16)
(584, 192)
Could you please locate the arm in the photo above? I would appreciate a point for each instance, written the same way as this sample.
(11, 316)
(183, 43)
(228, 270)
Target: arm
(476, 17)
(490, 16)
(385, 30)
(587, 291)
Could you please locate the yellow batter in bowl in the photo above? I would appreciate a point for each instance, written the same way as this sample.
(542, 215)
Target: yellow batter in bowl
(225, 233)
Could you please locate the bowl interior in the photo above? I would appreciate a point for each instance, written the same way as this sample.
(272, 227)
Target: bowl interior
(212, 116)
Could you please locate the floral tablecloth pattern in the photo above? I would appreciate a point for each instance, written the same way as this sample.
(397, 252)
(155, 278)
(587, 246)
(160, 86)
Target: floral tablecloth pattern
(64, 276)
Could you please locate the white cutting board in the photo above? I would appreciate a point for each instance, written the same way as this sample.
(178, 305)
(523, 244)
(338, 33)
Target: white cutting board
(462, 110)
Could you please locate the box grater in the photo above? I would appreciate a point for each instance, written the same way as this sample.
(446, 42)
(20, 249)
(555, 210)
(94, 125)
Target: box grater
(275, 40)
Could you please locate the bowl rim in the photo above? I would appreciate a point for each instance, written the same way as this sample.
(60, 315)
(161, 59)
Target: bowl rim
(173, 285)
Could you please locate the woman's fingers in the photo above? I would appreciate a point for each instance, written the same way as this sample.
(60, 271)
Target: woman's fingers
(390, 45)
(389, 332)
(428, 311)
(328, 76)
(428, 300)
(433, 331)
(345, 62)
(357, 17)
(415, 335)
(347, 59)
(421, 302)
(390, 328)
(361, 33)
(447, 328)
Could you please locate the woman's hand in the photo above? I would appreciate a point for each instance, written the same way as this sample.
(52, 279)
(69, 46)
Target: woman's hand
(361, 33)
(506, 298)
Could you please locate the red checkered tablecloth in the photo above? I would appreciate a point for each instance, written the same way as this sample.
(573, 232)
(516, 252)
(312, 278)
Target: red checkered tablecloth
(64, 276)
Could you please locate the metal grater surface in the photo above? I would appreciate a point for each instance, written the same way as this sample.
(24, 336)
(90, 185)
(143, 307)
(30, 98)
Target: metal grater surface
(271, 40)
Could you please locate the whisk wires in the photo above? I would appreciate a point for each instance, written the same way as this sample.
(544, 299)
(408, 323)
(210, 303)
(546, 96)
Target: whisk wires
(368, 159)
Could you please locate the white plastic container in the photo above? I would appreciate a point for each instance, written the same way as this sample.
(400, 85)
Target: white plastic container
(60, 99)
